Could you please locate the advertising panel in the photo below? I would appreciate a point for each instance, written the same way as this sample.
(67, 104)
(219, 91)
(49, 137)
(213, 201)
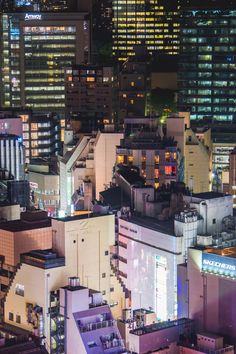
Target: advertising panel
(219, 265)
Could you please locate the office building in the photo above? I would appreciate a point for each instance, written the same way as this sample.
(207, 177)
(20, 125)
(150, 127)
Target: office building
(92, 159)
(12, 156)
(35, 52)
(206, 78)
(232, 176)
(145, 147)
(88, 96)
(195, 155)
(45, 191)
(41, 133)
(134, 90)
(212, 288)
(153, 26)
(155, 238)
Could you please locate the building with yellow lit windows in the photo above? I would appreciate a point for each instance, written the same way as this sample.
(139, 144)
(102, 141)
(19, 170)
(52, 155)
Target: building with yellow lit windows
(36, 48)
(145, 147)
(151, 24)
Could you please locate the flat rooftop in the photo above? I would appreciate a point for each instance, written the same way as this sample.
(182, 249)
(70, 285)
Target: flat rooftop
(225, 252)
(21, 225)
(165, 227)
(161, 326)
(45, 259)
(208, 195)
(80, 217)
(209, 335)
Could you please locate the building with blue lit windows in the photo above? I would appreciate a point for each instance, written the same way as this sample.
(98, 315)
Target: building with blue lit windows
(207, 65)
(36, 48)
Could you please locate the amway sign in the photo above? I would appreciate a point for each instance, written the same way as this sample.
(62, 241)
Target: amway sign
(33, 17)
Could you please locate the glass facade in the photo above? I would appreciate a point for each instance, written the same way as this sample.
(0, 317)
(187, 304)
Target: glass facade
(35, 50)
(207, 66)
(151, 24)
(48, 50)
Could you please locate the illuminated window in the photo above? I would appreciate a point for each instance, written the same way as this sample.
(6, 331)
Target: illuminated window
(131, 101)
(34, 126)
(124, 95)
(90, 79)
(132, 83)
(167, 156)
(130, 158)
(157, 159)
(24, 118)
(168, 170)
(35, 152)
(120, 159)
(34, 135)
(156, 185)
(156, 172)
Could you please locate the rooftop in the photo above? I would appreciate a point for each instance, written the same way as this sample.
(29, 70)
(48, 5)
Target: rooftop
(208, 195)
(114, 197)
(209, 335)
(79, 217)
(161, 326)
(45, 259)
(165, 227)
(224, 252)
(22, 225)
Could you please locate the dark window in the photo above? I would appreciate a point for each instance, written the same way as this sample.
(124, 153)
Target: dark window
(111, 290)
(104, 292)
(103, 275)
(214, 221)
(18, 319)
(106, 253)
(11, 316)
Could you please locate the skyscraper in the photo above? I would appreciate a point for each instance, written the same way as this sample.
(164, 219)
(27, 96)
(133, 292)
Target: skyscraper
(36, 48)
(152, 24)
(207, 65)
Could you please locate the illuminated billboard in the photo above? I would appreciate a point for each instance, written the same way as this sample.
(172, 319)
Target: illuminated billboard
(219, 265)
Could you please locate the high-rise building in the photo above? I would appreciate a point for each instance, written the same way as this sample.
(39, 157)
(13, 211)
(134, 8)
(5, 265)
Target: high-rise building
(40, 133)
(36, 48)
(88, 95)
(41, 5)
(207, 64)
(153, 25)
(134, 90)
(232, 175)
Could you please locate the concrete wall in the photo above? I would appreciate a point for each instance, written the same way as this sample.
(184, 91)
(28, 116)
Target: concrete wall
(10, 212)
(84, 243)
(12, 244)
(143, 246)
(104, 159)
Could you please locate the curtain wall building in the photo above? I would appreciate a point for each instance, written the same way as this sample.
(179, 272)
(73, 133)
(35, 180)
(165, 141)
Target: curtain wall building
(36, 48)
(207, 69)
(150, 24)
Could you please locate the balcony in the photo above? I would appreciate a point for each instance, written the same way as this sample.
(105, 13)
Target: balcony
(94, 326)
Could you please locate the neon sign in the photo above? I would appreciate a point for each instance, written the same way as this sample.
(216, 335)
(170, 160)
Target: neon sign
(219, 265)
(33, 17)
